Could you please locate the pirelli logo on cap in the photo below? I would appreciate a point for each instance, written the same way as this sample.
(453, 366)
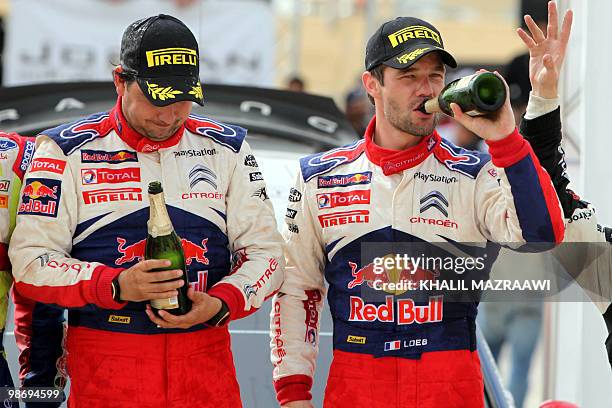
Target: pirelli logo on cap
(172, 56)
(356, 339)
(119, 319)
(413, 33)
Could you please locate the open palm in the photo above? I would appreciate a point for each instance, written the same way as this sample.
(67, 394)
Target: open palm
(546, 51)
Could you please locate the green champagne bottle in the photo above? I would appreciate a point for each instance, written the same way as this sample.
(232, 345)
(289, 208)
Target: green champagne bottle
(478, 94)
(163, 243)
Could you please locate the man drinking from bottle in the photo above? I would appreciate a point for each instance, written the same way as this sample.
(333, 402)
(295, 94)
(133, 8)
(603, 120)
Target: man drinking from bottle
(401, 184)
(82, 226)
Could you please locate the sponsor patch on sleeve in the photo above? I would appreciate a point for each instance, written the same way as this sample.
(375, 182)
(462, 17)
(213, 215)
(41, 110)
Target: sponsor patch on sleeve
(41, 197)
(48, 164)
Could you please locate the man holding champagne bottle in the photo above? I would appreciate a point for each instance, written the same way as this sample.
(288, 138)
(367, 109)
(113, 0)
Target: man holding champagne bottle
(402, 184)
(81, 236)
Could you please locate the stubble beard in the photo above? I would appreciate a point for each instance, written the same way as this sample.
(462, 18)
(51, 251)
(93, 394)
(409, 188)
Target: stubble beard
(400, 119)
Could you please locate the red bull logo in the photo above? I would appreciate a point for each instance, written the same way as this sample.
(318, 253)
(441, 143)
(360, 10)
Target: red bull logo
(136, 251)
(344, 180)
(101, 156)
(407, 311)
(40, 197)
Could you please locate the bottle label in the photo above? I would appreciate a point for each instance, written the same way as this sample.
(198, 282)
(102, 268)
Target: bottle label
(464, 82)
(171, 303)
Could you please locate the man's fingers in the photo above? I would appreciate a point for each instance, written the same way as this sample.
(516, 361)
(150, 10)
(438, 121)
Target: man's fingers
(526, 38)
(162, 276)
(553, 25)
(159, 322)
(164, 286)
(172, 319)
(535, 31)
(149, 264)
(161, 295)
(566, 27)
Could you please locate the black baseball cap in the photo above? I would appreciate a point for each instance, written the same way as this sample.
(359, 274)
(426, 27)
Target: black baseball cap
(162, 53)
(401, 42)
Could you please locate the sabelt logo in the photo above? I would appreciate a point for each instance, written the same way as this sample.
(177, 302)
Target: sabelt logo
(344, 180)
(356, 339)
(48, 164)
(4, 201)
(343, 218)
(343, 198)
(112, 194)
(171, 56)
(111, 176)
(5, 185)
(100, 156)
(119, 319)
(413, 33)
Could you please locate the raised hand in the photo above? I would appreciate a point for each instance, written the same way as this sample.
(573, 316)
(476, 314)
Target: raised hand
(546, 51)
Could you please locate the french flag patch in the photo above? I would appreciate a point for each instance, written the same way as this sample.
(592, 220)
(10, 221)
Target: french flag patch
(393, 345)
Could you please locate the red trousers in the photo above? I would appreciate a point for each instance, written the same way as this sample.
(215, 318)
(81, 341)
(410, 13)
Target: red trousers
(116, 370)
(449, 379)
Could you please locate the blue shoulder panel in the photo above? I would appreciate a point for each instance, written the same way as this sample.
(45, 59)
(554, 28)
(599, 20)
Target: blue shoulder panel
(466, 162)
(229, 136)
(69, 137)
(321, 163)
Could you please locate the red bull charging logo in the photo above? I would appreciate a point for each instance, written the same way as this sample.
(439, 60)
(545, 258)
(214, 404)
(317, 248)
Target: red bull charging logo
(394, 280)
(135, 252)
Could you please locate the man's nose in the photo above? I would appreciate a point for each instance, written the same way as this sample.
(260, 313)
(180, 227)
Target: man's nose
(425, 88)
(167, 114)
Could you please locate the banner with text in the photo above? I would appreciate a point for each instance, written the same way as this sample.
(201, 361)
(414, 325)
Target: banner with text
(76, 40)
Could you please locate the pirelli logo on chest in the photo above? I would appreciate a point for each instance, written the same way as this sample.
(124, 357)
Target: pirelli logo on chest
(413, 33)
(172, 56)
(119, 319)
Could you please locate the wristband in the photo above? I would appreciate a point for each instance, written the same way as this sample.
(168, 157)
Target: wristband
(221, 317)
(116, 288)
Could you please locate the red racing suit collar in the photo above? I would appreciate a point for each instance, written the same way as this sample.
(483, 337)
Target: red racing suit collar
(134, 139)
(396, 161)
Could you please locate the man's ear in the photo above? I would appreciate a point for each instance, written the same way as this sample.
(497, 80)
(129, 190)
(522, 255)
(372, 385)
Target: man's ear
(371, 84)
(118, 81)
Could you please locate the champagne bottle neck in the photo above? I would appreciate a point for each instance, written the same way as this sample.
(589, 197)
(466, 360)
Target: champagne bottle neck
(159, 223)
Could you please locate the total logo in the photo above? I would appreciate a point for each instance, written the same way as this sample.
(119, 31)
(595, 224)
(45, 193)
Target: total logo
(343, 198)
(48, 164)
(407, 311)
(136, 251)
(111, 176)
